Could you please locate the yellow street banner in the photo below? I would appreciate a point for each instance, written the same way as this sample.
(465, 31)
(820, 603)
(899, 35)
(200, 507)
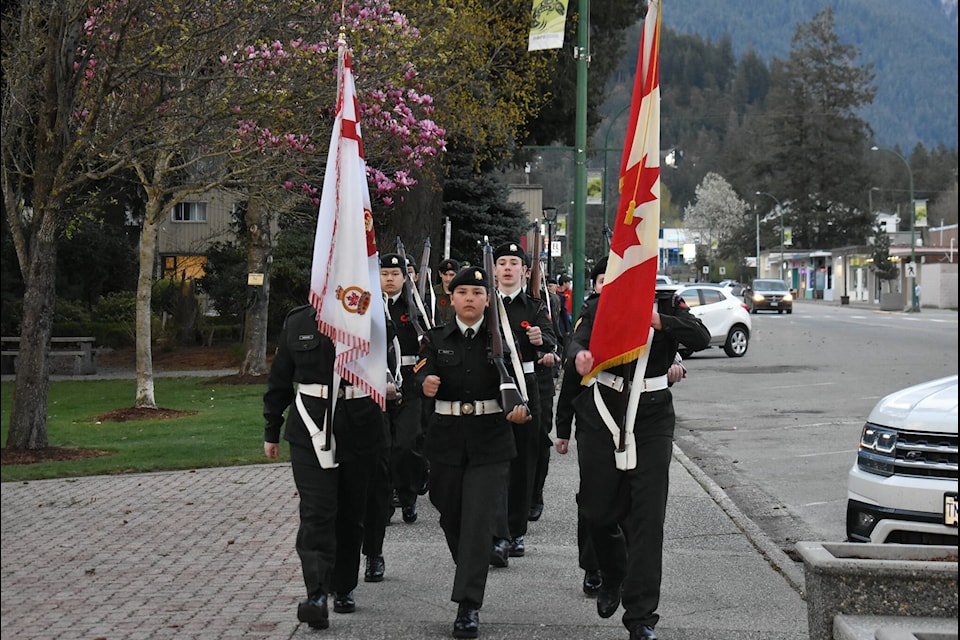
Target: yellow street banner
(920, 213)
(547, 25)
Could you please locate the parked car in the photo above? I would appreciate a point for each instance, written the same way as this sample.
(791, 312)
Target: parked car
(724, 315)
(903, 486)
(733, 286)
(662, 279)
(769, 295)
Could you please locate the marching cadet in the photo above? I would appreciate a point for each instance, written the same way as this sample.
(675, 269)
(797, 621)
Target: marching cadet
(447, 270)
(533, 331)
(408, 468)
(622, 512)
(469, 441)
(380, 496)
(547, 371)
(332, 499)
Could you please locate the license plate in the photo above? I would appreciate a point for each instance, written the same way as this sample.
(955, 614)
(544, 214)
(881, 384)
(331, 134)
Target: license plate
(950, 509)
(773, 304)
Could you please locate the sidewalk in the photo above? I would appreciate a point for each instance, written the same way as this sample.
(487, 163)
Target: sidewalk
(209, 554)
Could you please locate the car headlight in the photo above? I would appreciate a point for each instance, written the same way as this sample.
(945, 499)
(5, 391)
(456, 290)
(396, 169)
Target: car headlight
(788, 298)
(758, 297)
(877, 452)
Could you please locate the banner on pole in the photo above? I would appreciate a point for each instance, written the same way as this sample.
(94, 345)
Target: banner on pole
(547, 24)
(920, 213)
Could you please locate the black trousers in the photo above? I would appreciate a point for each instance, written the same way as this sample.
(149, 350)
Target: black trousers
(624, 511)
(523, 468)
(379, 507)
(332, 503)
(466, 498)
(546, 382)
(408, 466)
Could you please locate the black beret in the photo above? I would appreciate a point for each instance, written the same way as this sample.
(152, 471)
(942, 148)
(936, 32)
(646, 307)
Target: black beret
(448, 265)
(599, 268)
(391, 261)
(472, 276)
(412, 263)
(511, 249)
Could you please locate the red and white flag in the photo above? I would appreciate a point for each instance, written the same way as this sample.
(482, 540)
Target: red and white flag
(345, 275)
(621, 327)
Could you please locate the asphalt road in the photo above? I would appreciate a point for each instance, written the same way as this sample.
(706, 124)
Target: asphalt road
(778, 428)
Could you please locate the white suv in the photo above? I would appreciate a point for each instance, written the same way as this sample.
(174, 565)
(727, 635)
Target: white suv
(903, 486)
(723, 314)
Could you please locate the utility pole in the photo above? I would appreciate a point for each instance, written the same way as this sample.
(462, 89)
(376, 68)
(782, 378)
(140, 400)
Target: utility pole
(580, 176)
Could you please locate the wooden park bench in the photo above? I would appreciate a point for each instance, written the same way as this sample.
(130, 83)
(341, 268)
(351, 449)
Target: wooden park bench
(77, 353)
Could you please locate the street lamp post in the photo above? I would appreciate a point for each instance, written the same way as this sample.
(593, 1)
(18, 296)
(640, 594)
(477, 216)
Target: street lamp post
(758, 245)
(914, 303)
(780, 209)
(606, 144)
(550, 215)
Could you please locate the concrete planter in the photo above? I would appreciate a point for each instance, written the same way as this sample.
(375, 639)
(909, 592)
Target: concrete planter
(891, 301)
(876, 579)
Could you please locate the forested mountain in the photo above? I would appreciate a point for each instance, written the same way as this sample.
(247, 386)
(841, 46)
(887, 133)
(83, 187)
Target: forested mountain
(911, 45)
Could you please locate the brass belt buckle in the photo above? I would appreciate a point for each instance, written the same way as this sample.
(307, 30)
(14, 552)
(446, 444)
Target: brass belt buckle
(341, 393)
(466, 408)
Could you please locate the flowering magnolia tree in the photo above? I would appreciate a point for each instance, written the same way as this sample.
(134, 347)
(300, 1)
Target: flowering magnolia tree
(399, 133)
(189, 98)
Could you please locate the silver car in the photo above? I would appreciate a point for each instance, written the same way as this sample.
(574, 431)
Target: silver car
(722, 313)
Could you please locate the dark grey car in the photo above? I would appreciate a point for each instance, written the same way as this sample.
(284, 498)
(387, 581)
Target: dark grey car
(768, 295)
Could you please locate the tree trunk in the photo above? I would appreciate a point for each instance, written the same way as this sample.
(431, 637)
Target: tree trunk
(37, 247)
(28, 416)
(259, 254)
(148, 250)
(417, 217)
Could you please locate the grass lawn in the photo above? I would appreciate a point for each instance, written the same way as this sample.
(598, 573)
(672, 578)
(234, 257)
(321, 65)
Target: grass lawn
(222, 426)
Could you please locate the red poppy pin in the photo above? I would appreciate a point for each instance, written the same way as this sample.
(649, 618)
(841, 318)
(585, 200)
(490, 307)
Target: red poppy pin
(403, 318)
(443, 303)
(525, 324)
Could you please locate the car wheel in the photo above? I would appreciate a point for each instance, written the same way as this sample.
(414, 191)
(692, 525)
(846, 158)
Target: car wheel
(779, 311)
(789, 311)
(737, 342)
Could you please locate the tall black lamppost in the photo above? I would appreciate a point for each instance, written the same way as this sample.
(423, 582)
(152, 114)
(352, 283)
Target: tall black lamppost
(915, 304)
(550, 215)
(780, 209)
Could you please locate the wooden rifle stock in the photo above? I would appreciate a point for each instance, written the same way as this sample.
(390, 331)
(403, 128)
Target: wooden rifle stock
(510, 396)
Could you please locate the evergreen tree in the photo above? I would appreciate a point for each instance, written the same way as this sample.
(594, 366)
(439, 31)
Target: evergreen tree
(815, 138)
(884, 269)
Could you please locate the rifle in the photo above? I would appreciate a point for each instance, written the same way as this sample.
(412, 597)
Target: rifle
(424, 269)
(536, 269)
(510, 397)
(408, 293)
(423, 284)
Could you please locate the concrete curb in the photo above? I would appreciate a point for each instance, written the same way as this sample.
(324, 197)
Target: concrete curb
(778, 560)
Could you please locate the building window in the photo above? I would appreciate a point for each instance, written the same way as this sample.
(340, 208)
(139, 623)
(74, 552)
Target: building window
(190, 212)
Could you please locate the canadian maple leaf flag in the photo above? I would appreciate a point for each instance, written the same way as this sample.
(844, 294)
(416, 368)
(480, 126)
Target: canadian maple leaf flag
(345, 275)
(622, 324)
